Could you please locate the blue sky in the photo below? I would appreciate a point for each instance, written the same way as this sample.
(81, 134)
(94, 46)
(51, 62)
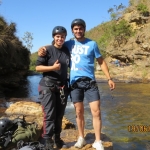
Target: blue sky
(39, 17)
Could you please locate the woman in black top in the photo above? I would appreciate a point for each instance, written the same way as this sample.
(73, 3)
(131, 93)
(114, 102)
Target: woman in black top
(53, 87)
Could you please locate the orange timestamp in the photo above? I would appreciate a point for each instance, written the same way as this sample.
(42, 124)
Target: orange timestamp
(138, 128)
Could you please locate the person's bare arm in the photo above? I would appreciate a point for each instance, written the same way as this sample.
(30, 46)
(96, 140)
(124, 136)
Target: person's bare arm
(42, 51)
(105, 69)
(41, 68)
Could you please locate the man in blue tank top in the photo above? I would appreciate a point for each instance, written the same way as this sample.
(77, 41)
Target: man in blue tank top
(82, 80)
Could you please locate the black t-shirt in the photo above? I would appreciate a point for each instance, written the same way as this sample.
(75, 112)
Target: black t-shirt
(53, 54)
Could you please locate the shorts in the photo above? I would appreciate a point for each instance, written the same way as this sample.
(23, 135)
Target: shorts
(85, 89)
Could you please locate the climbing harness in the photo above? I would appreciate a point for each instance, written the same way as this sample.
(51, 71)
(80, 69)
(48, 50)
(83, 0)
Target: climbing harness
(90, 83)
(54, 86)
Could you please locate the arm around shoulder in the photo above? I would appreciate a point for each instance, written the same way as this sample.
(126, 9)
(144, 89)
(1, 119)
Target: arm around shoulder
(42, 50)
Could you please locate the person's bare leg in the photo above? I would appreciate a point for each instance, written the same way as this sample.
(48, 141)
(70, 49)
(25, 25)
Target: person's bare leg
(97, 123)
(79, 108)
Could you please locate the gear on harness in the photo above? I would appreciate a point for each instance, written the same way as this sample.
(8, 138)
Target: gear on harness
(54, 86)
(61, 90)
(62, 95)
(50, 83)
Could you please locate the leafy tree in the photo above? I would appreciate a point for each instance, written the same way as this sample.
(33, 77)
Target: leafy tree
(121, 32)
(111, 10)
(116, 12)
(28, 40)
(122, 28)
(12, 53)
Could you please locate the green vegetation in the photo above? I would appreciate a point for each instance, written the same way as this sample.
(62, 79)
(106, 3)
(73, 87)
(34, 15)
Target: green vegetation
(143, 9)
(119, 32)
(116, 12)
(143, 6)
(144, 75)
(122, 28)
(105, 38)
(14, 56)
(115, 30)
(33, 59)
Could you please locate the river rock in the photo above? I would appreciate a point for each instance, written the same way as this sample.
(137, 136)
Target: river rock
(30, 110)
(70, 136)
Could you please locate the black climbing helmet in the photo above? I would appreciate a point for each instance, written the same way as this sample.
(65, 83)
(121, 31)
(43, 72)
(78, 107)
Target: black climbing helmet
(78, 22)
(59, 29)
(5, 125)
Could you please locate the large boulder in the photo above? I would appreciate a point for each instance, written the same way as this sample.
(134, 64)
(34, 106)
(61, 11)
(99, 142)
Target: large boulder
(32, 112)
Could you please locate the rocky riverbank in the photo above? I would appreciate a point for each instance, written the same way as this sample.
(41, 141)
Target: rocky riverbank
(33, 113)
(127, 74)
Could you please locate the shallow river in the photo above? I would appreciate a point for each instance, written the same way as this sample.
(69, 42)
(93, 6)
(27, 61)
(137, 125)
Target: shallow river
(125, 112)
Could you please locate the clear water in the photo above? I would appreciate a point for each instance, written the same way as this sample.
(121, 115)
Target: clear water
(127, 105)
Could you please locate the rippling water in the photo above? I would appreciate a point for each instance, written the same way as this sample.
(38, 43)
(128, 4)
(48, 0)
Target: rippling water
(127, 105)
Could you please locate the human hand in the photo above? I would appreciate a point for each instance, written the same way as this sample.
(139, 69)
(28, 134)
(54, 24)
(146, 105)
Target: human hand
(111, 85)
(57, 65)
(42, 51)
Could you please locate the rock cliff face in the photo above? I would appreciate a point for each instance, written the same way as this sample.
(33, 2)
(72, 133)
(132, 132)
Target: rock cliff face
(133, 52)
(136, 49)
